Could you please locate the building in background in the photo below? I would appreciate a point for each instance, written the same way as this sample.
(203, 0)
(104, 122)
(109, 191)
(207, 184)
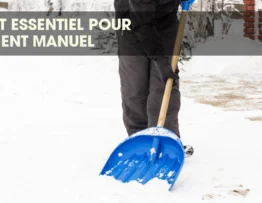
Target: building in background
(253, 19)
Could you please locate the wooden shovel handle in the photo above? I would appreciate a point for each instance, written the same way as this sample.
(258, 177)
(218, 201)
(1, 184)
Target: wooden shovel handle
(175, 58)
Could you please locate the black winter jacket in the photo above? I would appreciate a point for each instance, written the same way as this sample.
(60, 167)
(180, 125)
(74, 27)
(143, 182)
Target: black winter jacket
(148, 18)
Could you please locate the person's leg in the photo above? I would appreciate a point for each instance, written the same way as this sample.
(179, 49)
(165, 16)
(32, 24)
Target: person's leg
(157, 88)
(154, 103)
(134, 76)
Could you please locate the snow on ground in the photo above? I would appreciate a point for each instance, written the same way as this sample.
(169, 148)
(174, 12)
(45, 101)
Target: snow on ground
(61, 118)
(228, 82)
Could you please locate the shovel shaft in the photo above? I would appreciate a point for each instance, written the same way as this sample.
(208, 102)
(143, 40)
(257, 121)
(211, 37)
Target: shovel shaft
(174, 61)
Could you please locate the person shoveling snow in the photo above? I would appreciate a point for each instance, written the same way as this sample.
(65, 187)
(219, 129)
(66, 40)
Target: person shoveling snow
(149, 84)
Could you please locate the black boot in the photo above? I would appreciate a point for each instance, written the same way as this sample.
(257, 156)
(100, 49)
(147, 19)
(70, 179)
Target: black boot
(189, 151)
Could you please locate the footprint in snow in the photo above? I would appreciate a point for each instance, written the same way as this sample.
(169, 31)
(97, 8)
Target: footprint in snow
(211, 196)
(235, 190)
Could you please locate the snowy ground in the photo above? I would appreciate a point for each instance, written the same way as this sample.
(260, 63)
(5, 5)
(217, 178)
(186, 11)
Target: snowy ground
(61, 118)
(228, 82)
(234, 87)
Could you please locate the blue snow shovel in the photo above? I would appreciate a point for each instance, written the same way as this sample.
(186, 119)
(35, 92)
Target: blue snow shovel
(155, 152)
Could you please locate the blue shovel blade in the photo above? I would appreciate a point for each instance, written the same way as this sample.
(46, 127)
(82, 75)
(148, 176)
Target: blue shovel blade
(151, 153)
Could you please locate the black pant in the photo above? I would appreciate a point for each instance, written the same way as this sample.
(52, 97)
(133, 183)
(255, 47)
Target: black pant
(141, 87)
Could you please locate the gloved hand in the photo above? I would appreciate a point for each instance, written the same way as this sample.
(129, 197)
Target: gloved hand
(165, 70)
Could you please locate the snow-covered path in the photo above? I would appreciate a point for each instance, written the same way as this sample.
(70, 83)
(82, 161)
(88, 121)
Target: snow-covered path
(61, 118)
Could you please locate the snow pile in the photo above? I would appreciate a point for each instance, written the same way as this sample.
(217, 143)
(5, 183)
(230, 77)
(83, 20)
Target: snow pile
(156, 131)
